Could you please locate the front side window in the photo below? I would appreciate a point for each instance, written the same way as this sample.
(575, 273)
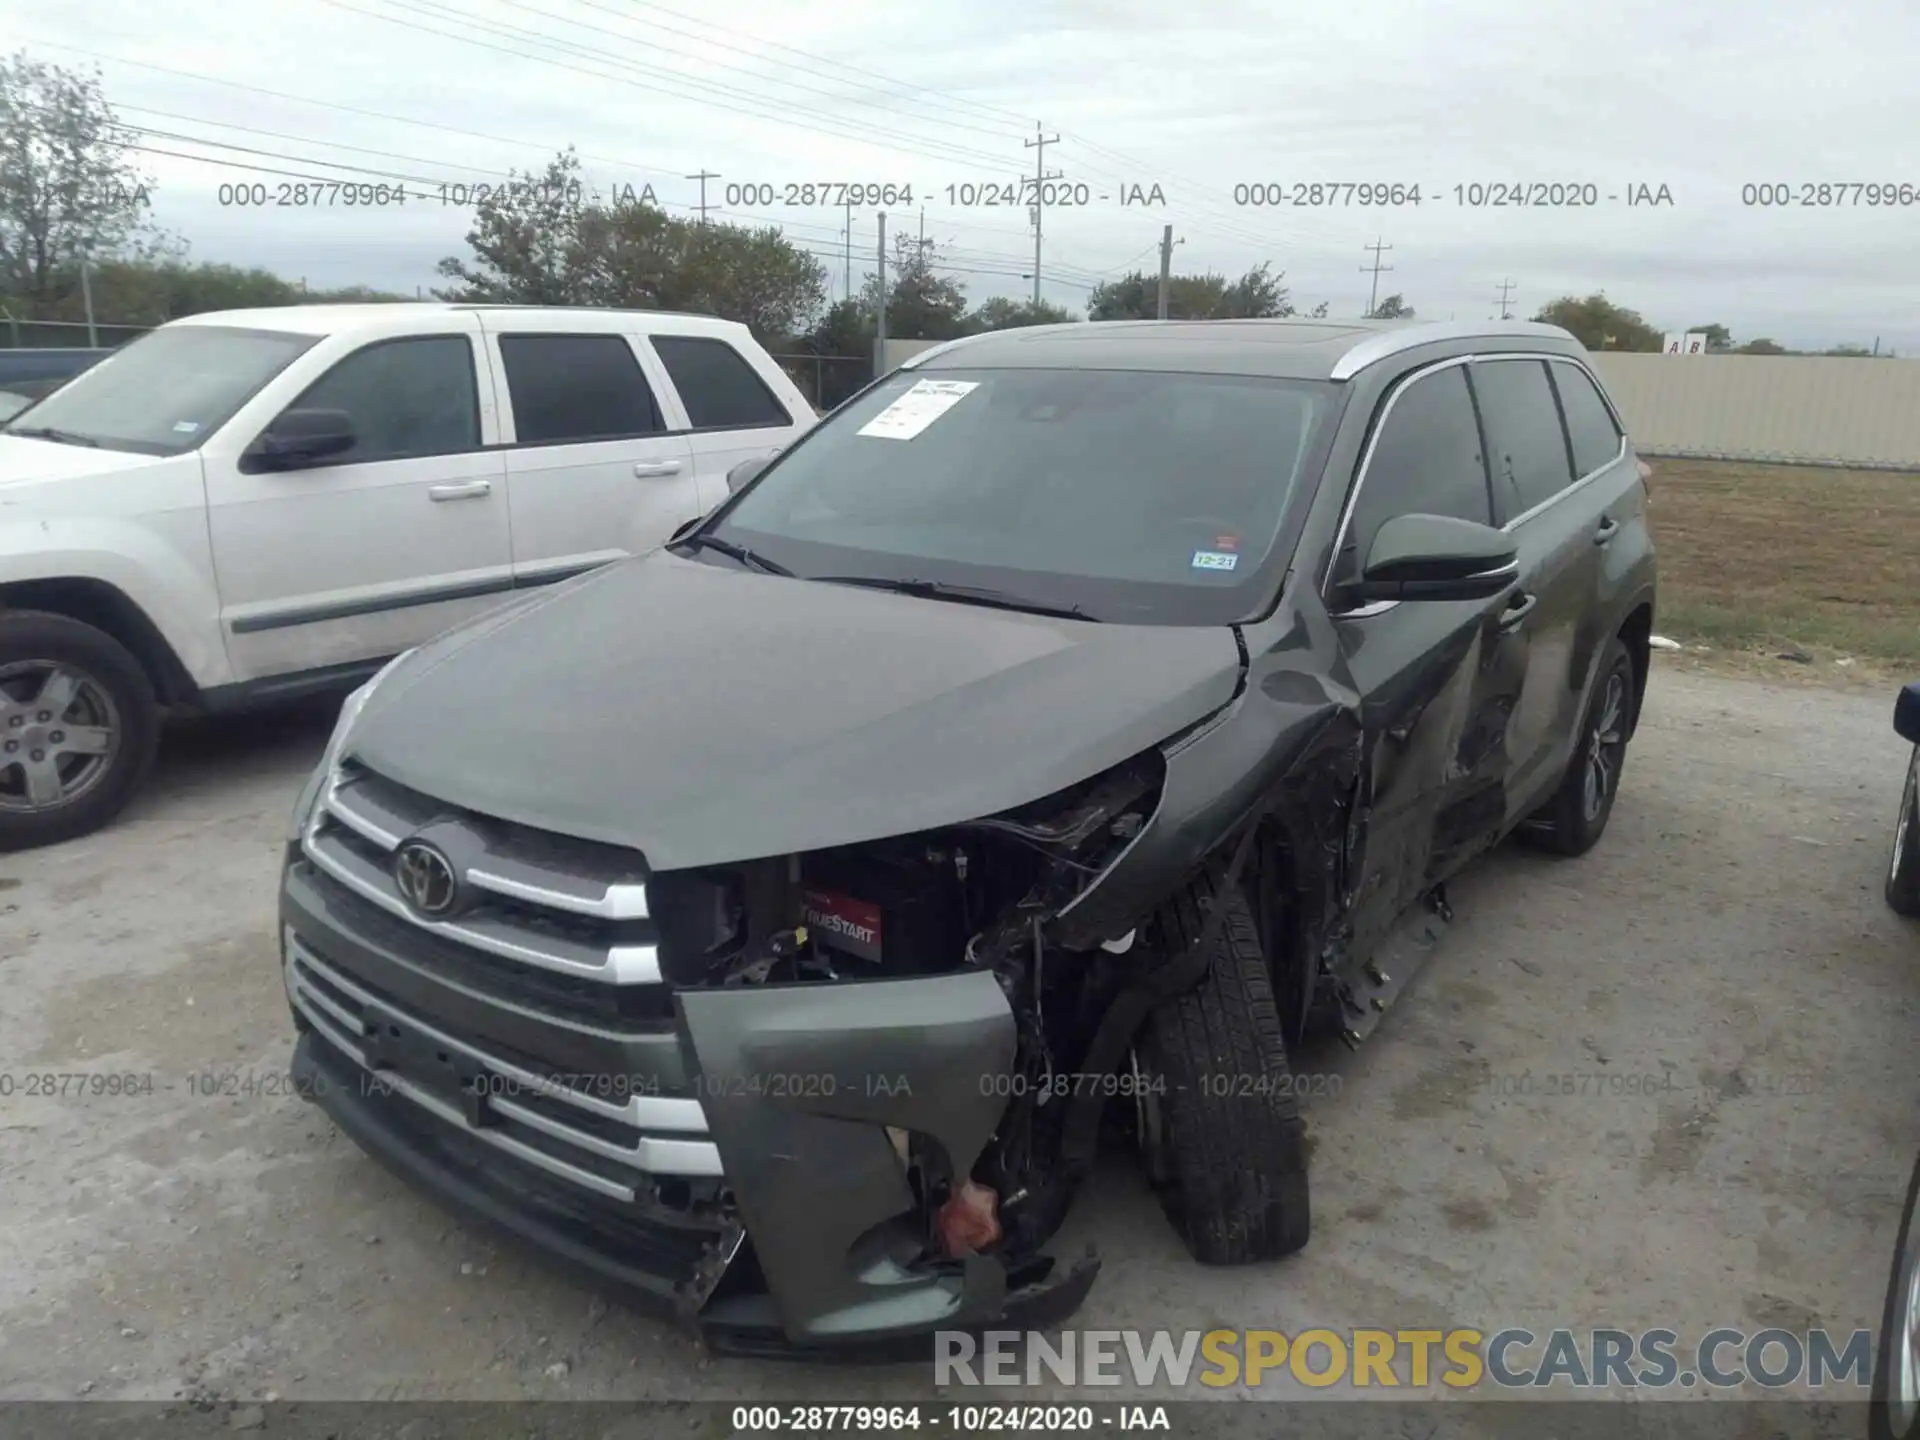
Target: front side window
(1426, 460)
(568, 389)
(165, 393)
(1590, 427)
(1147, 497)
(1517, 405)
(405, 398)
(719, 388)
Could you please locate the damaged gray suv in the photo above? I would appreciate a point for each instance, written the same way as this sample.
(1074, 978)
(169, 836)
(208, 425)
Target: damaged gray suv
(765, 925)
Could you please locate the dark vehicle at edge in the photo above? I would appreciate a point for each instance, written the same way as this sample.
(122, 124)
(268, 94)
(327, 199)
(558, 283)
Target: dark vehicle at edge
(764, 926)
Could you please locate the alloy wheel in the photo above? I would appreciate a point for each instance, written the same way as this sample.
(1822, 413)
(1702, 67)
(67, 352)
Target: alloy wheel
(1605, 741)
(60, 734)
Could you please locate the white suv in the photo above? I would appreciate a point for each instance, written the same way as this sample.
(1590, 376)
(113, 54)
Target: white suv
(253, 503)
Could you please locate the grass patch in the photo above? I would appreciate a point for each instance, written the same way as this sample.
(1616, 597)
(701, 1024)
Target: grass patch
(1772, 557)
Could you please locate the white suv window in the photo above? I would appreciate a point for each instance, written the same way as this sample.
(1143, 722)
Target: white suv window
(720, 389)
(567, 389)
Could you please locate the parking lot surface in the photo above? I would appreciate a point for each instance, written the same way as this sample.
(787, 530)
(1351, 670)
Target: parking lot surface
(1728, 937)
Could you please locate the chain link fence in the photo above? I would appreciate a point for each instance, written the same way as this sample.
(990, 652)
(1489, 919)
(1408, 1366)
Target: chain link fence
(827, 381)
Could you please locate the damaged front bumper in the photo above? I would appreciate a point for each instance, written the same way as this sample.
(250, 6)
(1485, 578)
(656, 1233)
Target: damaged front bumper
(734, 1160)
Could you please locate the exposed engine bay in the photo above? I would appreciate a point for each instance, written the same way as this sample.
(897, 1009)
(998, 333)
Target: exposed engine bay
(973, 897)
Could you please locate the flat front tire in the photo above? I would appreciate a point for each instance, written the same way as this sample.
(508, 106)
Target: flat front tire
(79, 727)
(1903, 871)
(1219, 1119)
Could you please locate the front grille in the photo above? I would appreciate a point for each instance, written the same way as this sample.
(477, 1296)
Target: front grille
(555, 932)
(610, 1146)
(568, 907)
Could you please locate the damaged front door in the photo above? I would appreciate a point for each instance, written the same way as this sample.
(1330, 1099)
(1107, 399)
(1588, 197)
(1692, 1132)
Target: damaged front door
(1437, 678)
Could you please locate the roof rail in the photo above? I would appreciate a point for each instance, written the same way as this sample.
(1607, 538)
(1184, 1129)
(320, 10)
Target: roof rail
(1381, 344)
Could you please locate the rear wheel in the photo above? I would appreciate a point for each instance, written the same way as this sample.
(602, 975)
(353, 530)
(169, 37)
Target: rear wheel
(78, 728)
(1572, 822)
(1903, 874)
(1218, 1118)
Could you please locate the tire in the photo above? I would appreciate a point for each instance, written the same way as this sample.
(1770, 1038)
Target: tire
(1903, 870)
(1572, 822)
(1895, 1409)
(68, 774)
(1221, 1128)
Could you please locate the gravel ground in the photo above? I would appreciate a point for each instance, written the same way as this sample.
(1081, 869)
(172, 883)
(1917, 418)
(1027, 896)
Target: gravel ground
(1728, 937)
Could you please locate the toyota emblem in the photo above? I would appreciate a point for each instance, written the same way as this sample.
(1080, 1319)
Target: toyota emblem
(425, 878)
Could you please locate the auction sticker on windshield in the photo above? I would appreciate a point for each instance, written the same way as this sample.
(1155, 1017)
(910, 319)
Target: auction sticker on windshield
(914, 411)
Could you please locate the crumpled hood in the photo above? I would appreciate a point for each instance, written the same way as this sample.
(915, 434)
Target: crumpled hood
(705, 714)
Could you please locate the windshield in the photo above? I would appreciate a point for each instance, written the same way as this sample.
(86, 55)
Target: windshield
(1142, 497)
(166, 392)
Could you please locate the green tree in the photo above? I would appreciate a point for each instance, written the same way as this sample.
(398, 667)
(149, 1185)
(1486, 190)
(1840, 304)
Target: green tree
(1393, 307)
(1257, 294)
(1319, 312)
(1719, 338)
(1002, 313)
(68, 190)
(922, 304)
(537, 243)
(1599, 324)
(1761, 347)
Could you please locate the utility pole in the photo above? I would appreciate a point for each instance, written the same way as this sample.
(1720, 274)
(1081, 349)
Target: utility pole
(1373, 302)
(1039, 145)
(1506, 289)
(86, 296)
(703, 177)
(880, 329)
(1166, 268)
(849, 237)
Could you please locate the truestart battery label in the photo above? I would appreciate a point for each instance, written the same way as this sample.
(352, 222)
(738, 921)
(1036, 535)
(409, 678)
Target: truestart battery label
(844, 922)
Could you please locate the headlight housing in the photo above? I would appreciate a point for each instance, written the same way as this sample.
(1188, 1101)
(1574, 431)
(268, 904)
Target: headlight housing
(350, 709)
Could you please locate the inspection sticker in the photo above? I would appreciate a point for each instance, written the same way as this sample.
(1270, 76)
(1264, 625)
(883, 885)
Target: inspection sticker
(1214, 560)
(914, 411)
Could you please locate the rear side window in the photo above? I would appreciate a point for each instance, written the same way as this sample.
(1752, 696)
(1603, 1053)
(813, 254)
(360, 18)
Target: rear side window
(1590, 428)
(1426, 461)
(406, 398)
(1529, 447)
(570, 388)
(719, 388)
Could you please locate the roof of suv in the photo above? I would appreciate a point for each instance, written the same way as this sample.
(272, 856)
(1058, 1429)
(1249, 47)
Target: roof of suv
(331, 319)
(1283, 349)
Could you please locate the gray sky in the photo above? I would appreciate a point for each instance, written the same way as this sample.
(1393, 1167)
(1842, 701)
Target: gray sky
(1701, 98)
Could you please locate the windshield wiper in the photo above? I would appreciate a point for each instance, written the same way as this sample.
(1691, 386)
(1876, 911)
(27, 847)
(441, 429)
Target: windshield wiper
(965, 594)
(731, 551)
(47, 432)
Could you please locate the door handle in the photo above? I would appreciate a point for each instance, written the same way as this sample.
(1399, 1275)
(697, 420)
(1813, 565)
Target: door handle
(1609, 527)
(647, 468)
(1518, 608)
(469, 490)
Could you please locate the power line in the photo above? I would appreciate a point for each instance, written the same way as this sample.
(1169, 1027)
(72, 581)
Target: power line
(1506, 289)
(786, 223)
(787, 114)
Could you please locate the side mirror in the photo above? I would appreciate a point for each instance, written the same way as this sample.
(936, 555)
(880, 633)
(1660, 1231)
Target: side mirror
(300, 437)
(741, 475)
(1437, 557)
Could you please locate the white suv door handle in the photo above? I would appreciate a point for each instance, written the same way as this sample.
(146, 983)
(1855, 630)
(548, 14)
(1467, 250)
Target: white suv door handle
(647, 468)
(470, 490)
